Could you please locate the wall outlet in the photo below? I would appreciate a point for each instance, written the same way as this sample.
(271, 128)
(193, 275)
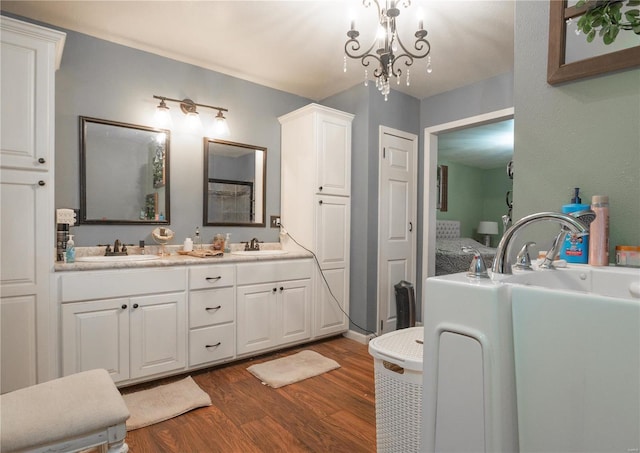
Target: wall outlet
(275, 221)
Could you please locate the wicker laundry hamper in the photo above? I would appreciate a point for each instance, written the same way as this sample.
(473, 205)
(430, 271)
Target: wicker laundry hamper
(398, 378)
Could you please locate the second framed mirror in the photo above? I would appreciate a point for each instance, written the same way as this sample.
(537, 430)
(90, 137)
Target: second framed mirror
(234, 183)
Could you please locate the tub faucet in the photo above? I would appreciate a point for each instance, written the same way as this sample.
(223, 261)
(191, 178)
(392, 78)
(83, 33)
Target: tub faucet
(502, 261)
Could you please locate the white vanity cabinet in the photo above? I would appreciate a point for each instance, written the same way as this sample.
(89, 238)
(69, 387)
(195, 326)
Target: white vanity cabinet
(211, 314)
(315, 204)
(30, 56)
(131, 323)
(273, 304)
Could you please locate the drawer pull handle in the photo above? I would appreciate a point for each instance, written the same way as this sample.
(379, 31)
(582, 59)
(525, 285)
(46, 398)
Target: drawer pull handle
(214, 279)
(212, 345)
(214, 308)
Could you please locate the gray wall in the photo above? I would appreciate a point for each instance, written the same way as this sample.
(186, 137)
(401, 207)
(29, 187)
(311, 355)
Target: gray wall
(109, 81)
(399, 112)
(584, 133)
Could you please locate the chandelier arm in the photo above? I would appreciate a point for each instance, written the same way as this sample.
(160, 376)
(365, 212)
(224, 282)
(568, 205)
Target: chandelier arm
(421, 45)
(355, 46)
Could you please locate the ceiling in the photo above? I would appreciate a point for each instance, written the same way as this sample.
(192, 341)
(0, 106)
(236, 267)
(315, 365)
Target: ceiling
(298, 46)
(295, 46)
(487, 146)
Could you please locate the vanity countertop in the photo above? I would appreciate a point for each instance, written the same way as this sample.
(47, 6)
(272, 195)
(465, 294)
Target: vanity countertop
(171, 259)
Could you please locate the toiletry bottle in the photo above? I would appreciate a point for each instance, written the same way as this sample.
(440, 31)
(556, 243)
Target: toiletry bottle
(188, 245)
(599, 247)
(227, 243)
(575, 248)
(71, 250)
(197, 242)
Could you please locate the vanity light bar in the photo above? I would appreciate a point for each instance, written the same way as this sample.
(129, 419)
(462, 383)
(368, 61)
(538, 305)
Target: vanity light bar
(188, 106)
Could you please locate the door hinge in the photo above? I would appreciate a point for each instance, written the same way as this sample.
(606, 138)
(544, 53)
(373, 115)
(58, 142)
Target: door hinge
(381, 325)
(384, 153)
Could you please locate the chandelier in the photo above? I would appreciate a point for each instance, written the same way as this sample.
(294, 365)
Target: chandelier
(387, 52)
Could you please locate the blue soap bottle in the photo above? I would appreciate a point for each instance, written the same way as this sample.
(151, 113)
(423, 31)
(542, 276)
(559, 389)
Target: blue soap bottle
(575, 248)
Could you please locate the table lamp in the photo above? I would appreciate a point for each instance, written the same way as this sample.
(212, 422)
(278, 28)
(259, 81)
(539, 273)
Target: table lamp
(487, 228)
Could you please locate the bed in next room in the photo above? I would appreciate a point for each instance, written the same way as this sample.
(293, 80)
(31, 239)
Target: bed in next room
(450, 258)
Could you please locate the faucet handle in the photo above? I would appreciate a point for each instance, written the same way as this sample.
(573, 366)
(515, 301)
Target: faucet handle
(523, 259)
(478, 268)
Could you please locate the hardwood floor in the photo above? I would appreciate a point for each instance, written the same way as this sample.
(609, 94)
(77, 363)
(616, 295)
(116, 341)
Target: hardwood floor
(333, 412)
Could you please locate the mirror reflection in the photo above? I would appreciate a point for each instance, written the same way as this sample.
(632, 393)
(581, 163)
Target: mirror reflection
(234, 183)
(124, 173)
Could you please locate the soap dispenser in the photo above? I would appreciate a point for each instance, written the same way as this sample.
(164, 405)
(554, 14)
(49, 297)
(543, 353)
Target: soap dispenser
(575, 248)
(71, 250)
(227, 243)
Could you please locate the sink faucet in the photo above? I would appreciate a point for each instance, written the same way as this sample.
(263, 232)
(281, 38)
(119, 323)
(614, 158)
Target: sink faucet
(502, 262)
(253, 245)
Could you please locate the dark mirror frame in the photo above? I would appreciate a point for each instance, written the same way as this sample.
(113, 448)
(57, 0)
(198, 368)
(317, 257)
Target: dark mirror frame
(558, 71)
(207, 179)
(84, 120)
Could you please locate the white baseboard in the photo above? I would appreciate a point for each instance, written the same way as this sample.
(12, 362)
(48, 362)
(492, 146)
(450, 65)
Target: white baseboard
(357, 336)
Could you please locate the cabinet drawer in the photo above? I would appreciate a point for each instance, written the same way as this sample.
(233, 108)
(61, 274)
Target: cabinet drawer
(211, 344)
(274, 271)
(211, 276)
(209, 307)
(87, 285)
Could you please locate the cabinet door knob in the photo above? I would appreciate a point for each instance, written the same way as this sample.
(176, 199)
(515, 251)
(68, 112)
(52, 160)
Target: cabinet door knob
(320, 202)
(41, 183)
(275, 289)
(281, 288)
(320, 188)
(124, 306)
(41, 160)
(135, 305)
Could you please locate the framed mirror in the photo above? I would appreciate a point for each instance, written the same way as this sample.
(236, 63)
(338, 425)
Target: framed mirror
(124, 173)
(571, 57)
(234, 183)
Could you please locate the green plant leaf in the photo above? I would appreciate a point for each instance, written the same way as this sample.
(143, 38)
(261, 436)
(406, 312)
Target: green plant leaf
(591, 36)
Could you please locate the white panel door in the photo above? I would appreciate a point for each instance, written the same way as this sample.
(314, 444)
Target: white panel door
(25, 261)
(256, 320)
(332, 305)
(96, 335)
(332, 230)
(397, 212)
(26, 80)
(334, 156)
(295, 308)
(18, 342)
(158, 334)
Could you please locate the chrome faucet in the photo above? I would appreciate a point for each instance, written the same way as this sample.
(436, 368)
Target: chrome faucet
(502, 261)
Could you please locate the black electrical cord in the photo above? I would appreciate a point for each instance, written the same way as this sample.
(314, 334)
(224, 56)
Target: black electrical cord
(282, 227)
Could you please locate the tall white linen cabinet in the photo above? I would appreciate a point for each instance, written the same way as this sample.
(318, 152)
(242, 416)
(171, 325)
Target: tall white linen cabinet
(28, 308)
(316, 206)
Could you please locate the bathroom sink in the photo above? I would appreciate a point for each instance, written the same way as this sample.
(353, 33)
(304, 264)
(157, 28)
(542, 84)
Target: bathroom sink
(115, 259)
(259, 252)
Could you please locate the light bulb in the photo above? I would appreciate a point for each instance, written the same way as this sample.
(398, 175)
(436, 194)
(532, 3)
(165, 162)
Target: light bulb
(162, 117)
(193, 121)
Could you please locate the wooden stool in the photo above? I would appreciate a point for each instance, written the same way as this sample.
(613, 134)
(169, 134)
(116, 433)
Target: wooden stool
(69, 414)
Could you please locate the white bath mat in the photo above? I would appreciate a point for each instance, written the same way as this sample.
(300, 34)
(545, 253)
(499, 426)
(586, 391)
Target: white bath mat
(294, 368)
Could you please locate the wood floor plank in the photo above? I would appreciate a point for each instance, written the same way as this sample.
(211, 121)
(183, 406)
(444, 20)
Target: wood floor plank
(333, 412)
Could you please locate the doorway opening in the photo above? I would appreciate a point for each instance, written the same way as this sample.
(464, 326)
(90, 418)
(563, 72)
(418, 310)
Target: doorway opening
(430, 201)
